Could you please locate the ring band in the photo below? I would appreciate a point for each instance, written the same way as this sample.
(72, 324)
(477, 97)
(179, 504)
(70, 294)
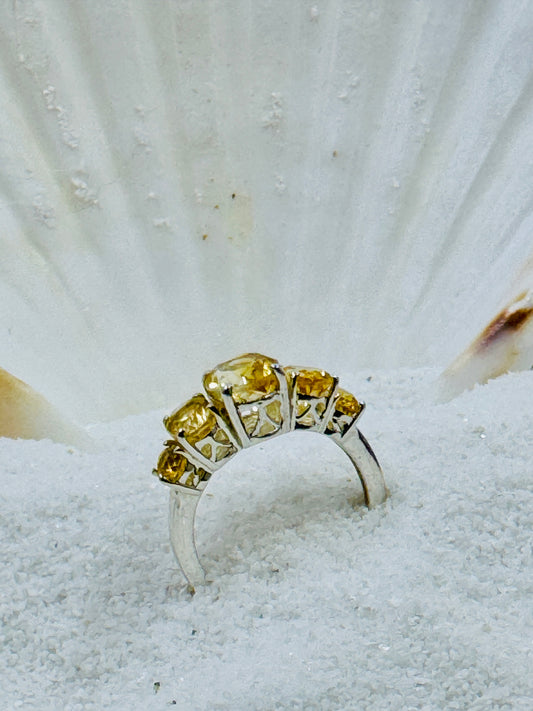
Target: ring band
(249, 399)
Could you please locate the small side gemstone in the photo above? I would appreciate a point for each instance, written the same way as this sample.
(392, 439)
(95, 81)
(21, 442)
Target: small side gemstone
(194, 418)
(347, 404)
(174, 468)
(310, 382)
(347, 407)
(171, 465)
(250, 376)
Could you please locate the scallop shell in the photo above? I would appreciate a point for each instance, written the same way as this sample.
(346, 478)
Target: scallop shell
(340, 183)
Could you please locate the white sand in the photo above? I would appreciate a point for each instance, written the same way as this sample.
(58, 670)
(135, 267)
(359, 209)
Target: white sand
(424, 603)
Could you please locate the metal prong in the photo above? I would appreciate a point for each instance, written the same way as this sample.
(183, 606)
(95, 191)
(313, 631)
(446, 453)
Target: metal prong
(347, 432)
(293, 400)
(330, 407)
(285, 409)
(234, 416)
(225, 427)
(193, 455)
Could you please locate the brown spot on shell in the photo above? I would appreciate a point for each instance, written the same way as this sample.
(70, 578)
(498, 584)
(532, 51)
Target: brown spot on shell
(506, 323)
(504, 345)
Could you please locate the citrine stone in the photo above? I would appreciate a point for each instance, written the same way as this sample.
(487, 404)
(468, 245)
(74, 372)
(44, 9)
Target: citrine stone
(194, 418)
(250, 376)
(171, 465)
(174, 468)
(347, 404)
(311, 383)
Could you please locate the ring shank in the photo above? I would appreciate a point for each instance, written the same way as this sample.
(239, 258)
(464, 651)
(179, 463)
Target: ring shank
(360, 453)
(182, 511)
(184, 501)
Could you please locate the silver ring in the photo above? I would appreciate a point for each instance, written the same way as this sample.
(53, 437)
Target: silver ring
(250, 399)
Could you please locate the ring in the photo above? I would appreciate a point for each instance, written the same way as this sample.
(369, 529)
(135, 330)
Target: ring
(247, 400)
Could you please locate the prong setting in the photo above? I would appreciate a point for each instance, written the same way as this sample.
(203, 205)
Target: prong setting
(330, 407)
(285, 405)
(226, 428)
(233, 414)
(294, 400)
(353, 424)
(195, 456)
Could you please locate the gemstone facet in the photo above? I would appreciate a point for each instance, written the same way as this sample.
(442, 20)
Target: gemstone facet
(250, 376)
(198, 423)
(347, 404)
(311, 383)
(171, 465)
(194, 418)
(174, 468)
(313, 388)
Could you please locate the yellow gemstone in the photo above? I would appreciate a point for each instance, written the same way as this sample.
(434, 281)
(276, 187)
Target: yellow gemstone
(347, 404)
(171, 465)
(311, 383)
(250, 376)
(194, 418)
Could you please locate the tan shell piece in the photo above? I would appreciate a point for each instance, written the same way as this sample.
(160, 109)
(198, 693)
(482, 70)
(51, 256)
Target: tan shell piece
(504, 345)
(26, 414)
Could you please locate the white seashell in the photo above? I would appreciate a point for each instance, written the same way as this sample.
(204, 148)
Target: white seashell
(337, 183)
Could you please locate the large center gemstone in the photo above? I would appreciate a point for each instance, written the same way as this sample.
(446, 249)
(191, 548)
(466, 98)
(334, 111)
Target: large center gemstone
(194, 418)
(250, 376)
